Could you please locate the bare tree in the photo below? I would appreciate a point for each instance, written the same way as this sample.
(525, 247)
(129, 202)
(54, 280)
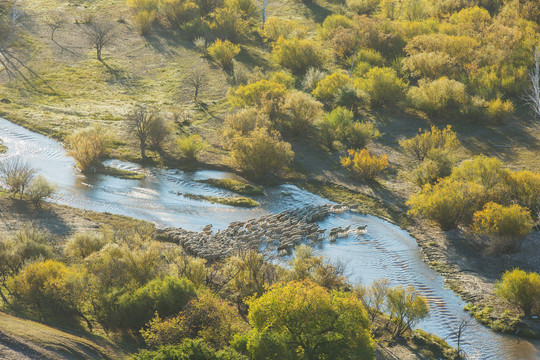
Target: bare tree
(143, 123)
(16, 175)
(533, 95)
(463, 325)
(99, 34)
(263, 8)
(197, 80)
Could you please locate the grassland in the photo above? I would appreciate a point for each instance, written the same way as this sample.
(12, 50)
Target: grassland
(236, 186)
(237, 201)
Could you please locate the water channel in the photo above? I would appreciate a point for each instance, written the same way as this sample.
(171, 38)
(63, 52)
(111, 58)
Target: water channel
(384, 251)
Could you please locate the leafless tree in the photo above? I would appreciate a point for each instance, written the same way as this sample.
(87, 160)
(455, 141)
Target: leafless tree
(533, 95)
(264, 8)
(197, 80)
(99, 34)
(144, 123)
(463, 325)
(16, 175)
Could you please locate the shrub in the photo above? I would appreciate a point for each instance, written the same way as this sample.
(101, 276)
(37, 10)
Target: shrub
(352, 98)
(50, 288)
(300, 320)
(521, 289)
(88, 147)
(448, 202)
(328, 88)
(179, 12)
(284, 78)
(429, 65)
(261, 152)
(223, 52)
(362, 7)
(427, 172)
(498, 111)
(298, 55)
(364, 164)
(301, 110)
(243, 122)
(133, 309)
(334, 23)
(201, 45)
(229, 24)
(274, 28)
(525, 187)
(312, 78)
(144, 20)
(442, 97)
(383, 86)
(40, 189)
(333, 126)
(82, 245)
(265, 94)
(188, 349)
(191, 146)
(406, 308)
(486, 171)
(248, 8)
(16, 175)
(359, 134)
(374, 296)
(508, 223)
(428, 142)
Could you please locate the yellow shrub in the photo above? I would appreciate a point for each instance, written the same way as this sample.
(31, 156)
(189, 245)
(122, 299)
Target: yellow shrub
(525, 188)
(498, 111)
(383, 86)
(521, 289)
(327, 89)
(191, 146)
(298, 55)
(509, 222)
(179, 12)
(223, 52)
(364, 164)
(144, 20)
(427, 142)
(441, 97)
(274, 28)
(264, 94)
(88, 147)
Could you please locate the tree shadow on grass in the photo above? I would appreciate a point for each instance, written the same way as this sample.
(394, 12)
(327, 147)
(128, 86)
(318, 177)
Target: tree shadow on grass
(318, 13)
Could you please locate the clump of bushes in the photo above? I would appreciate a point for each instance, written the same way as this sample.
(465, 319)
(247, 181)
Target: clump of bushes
(339, 125)
(328, 88)
(298, 55)
(39, 189)
(441, 97)
(300, 110)
(264, 94)
(261, 152)
(191, 146)
(88, 147)
(383, 86)
(363, 163)
(223, 52)
(242, 122)
(274, 28)
(521, 289)
(508, 224)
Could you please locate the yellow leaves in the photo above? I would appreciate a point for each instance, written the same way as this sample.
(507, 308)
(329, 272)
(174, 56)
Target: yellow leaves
(510, 222)
(363, 163)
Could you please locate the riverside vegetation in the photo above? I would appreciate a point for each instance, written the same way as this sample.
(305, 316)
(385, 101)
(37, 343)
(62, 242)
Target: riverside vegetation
(325, 93)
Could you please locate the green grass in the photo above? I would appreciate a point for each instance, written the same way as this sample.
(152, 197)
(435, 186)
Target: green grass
(236, 186)
(237, 201)
(3, 148)
(122, 174)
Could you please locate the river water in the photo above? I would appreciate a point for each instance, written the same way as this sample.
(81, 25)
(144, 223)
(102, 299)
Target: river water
(385, 251)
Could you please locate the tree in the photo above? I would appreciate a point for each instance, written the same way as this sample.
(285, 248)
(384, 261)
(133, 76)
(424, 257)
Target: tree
(143, 122)
(521, 289)
(188, 350)
(17, 175)
(306, 321)
(406, 308)
(99, 34)
(533, 95)
(374, 296)
(197, 80)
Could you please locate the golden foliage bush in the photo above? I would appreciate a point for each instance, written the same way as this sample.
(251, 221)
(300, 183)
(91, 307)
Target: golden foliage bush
(88, 147)
(364, 164)
(223, 52)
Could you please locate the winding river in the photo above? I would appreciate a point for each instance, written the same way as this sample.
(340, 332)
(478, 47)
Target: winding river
(385, 251)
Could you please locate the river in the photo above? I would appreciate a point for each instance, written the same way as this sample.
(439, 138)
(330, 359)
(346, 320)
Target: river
(384, 251)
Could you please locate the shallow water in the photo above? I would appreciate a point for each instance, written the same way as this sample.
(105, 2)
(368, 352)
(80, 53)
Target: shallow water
(384, 251)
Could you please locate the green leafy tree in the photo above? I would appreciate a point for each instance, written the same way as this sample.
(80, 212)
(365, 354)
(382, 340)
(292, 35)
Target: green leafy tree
(406, 308)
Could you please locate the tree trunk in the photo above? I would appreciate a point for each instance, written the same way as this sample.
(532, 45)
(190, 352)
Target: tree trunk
(98, 53)
(143, 150)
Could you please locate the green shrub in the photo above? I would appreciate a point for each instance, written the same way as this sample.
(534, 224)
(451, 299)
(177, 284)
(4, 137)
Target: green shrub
(334, 23)
(144, 20)
(282, 77)
(261, 152)
(328, 88)
(429, 65)
(188, 350)
(486, 171)
(383, 86)
(525, 187)
(191, 146)
(17, 175)
(352, 99)
(223, 52)
(312, 78)
(509, 224)
(427, 172)
(364, 164)
(178, 12)
(442, 97)
(301, 110)
(247, 8)
(298, 55)
(521, 289)
(359, 134)
(333, 126)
